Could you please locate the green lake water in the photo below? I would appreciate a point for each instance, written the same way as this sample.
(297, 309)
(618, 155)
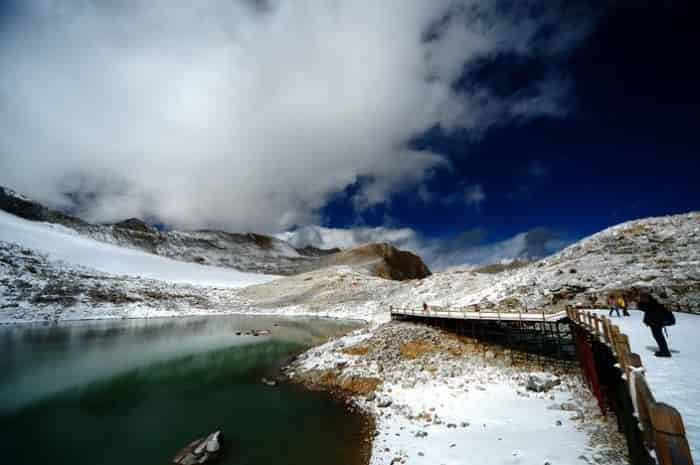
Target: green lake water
(136, 391)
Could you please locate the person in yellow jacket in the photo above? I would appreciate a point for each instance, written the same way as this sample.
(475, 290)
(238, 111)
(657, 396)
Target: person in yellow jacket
(623, 305)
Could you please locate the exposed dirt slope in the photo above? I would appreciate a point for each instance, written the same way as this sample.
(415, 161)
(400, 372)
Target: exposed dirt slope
(383, 260)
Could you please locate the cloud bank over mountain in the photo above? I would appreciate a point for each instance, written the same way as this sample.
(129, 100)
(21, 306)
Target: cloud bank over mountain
(472, 247)
(251, 115)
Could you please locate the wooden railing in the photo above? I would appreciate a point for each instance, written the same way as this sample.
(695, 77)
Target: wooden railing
(463, 314)
(661, 425)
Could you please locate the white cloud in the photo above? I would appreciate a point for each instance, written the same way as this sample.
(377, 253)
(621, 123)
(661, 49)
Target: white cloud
(247, 115)
(329, 238)
(475, 195)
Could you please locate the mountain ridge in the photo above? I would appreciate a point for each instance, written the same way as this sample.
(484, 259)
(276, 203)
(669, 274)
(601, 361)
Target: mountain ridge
(660, 255)
(247, 252)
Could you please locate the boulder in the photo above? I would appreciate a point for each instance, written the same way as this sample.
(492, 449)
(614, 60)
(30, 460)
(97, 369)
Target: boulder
(541, 382)
(200, 451)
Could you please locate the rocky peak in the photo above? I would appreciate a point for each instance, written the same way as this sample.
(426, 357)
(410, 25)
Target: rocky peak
(19, 205)
(383, 260)
(311, 251)
(136, 225)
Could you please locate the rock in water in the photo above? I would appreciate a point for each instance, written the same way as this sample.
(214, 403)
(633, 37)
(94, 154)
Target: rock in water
(199, 451)
(212, 443)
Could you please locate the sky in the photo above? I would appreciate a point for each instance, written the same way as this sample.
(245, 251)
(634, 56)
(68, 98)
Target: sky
(467, 131)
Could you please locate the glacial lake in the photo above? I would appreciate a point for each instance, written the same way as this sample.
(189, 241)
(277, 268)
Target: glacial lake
(137, 391)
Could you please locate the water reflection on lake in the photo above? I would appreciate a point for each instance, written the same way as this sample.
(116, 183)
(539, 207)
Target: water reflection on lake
(135, 391)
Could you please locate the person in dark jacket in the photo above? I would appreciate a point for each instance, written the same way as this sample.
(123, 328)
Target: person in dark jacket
(613, 306)
(622, 303)
(656, 316)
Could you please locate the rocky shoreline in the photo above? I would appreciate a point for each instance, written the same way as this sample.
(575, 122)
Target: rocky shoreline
(435, 397)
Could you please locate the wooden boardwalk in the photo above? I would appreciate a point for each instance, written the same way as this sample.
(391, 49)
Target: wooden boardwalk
(457, 314)
(542, 335)
(654, 431)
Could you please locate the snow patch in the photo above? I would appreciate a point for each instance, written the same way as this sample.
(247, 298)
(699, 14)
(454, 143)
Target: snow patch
(63, 244)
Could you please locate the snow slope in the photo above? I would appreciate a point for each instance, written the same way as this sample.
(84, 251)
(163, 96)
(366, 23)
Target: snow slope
(675, 380)
(504, 427)
(64, 244)
(450, 403)
(661, 255)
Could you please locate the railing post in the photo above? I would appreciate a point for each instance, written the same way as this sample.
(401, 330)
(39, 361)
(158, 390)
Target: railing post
(643, 401)
(596, 326)
(625, 342)
(606, 331)
(614, 338)
(670, 443)
(662, 425)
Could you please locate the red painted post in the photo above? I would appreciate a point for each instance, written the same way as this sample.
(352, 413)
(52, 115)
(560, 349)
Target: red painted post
(587, 361)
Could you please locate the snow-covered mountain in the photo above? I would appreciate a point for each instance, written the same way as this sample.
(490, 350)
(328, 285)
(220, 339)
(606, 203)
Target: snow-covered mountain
(245, 252)
(251, 253)
(661, 255)
(51, 271)
(64, 245)
(467, 249)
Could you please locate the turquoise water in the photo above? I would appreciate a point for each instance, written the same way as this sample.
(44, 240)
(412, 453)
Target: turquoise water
(136, 391)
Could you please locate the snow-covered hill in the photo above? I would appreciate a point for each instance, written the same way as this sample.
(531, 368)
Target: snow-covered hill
(254, 253)
(661, 255)
(62, 244)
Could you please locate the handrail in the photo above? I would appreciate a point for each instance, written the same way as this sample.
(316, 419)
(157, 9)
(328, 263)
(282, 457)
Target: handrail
(661, 425)
(448, 312)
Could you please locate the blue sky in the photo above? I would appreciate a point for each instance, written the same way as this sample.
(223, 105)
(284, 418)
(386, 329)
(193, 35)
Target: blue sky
(628, 149)
(450, 127)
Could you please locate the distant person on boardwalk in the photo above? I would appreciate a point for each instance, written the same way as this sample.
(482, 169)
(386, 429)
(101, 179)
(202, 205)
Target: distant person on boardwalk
(656, 317)
(621, 303)
(613, 306)
(425, 307)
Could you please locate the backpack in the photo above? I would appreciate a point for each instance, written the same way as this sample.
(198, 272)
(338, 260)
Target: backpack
(669, 318)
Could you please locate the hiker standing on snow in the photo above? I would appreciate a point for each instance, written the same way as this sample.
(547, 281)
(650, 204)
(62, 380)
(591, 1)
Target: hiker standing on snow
(621, 303)
(656, 317)
(613, 306)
